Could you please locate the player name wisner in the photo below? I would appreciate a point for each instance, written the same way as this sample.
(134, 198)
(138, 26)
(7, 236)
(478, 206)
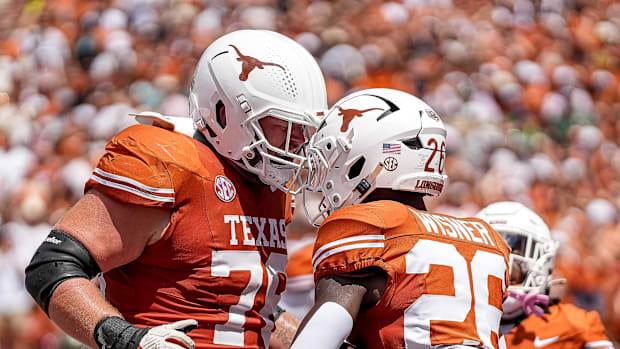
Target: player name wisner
(456, 228)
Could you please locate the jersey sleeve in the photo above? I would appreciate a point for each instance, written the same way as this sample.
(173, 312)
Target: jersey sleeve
(594, 336)
(131, 172)
(353, 238)
(346, 245)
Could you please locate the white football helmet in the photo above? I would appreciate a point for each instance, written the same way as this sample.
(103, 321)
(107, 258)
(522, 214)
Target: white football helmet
(248, 75)
(533, 250)
(375, 138)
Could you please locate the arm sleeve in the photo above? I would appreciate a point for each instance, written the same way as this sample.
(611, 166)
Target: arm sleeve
(328, 327)
(130, 172)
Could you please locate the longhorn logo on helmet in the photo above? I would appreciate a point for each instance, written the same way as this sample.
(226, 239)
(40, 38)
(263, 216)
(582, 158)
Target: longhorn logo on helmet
(349, 114)
(248, 64)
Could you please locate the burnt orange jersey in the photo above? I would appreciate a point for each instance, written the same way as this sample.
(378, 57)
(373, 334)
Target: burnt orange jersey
(221, 260)
(565, 326)
(298, 297)
(299, 269)
(447, 277)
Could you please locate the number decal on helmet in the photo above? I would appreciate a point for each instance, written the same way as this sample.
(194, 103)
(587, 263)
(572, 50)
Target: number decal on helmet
(442, 157)
(427, 167)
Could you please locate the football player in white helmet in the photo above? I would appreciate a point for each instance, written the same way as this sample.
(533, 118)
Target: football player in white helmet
(531, 319)
(532, 257)
(184, 232)
(388, 273)
(245, 84)
(348, 163)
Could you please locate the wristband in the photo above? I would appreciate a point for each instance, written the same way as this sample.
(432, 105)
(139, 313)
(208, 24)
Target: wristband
(115, 333)
(278, 312)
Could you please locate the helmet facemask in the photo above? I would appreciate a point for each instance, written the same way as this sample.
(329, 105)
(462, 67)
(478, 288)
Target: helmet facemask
(531, 265)
(322, 155)
(280, 165)
(531, 261)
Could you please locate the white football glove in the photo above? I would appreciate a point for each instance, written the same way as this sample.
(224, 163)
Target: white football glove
(158, 336)
(116, 333)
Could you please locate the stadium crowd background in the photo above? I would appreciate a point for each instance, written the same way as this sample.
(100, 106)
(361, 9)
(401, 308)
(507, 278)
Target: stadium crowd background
(529, 90)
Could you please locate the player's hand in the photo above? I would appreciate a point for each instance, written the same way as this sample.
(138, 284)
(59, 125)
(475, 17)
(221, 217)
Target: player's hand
(284, 332)
(112, 332)
(533, 302)
(169, 336)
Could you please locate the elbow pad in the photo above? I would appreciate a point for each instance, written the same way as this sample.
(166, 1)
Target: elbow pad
(60, 257)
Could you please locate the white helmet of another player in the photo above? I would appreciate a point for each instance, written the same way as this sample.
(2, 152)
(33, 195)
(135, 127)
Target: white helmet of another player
(246, 76)
(533, 250)
(376, 138)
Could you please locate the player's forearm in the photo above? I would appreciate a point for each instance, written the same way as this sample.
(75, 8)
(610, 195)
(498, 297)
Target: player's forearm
(282, 337)
(76, 306)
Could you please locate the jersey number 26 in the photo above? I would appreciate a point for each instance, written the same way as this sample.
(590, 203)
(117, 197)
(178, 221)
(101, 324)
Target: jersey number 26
(471, 287)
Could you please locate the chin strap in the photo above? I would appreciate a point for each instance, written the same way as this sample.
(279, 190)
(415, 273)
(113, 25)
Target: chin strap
(532, 301)
(362, 188)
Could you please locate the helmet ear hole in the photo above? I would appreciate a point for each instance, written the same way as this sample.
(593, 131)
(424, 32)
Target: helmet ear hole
(356, 168)
(413, 143)
(220, 112)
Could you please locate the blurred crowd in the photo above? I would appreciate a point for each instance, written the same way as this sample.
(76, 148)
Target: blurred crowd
(529, 90)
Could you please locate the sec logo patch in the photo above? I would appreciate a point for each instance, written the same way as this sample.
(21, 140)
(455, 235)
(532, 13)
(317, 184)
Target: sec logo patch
(224, 189)
(390, 163)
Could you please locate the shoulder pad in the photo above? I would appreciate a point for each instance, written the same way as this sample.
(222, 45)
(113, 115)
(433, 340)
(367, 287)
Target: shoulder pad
(157, 142)
(183, 125)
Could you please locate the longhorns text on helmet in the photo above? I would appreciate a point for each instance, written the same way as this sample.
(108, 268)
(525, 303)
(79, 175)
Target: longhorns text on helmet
(248, 75)
(364, 134)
